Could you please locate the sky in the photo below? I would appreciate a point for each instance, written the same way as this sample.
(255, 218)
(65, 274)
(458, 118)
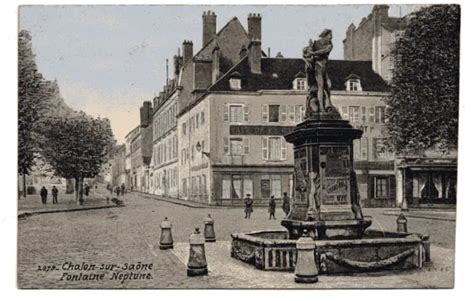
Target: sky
(107, 60)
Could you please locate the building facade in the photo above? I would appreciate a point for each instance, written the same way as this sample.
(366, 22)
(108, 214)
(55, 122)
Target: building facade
(373, 38)
(231, 137)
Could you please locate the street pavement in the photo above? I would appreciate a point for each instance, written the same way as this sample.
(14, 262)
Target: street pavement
(50, 245)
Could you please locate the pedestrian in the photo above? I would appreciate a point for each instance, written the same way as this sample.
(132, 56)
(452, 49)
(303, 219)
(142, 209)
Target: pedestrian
(286, 204)
(87, 188)
(271, 207)
(44, 195)
(55, 191)
(117, 190)
(123, 188)
(248, 202)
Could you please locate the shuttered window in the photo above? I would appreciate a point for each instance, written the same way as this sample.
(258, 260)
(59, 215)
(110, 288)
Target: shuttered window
(246, 113)
(226, 113)
(264, 113)
(264, 148)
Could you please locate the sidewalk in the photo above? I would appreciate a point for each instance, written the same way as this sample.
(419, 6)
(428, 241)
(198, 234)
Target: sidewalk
(172, 200)
(31, 205)
(425, 214)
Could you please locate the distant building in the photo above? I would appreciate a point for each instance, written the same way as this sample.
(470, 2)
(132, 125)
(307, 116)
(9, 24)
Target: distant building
(373, 38)
(118, 166)
(231, 137)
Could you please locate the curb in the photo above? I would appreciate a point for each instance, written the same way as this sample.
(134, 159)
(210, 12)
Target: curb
(27, 214)
(157, 198)
(421, 216)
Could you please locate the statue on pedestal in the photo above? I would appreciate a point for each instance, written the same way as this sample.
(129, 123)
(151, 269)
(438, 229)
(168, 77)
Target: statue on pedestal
(316, 56)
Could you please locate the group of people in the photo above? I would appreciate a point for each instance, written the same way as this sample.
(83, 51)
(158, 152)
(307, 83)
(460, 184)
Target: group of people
(286, 206)
(44, 195)
(117, 189)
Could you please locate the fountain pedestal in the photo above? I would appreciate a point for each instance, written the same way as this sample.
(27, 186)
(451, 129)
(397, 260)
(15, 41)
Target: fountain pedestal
(326, 198)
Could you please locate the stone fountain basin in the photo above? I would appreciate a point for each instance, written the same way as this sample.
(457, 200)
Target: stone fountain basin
(376, 251)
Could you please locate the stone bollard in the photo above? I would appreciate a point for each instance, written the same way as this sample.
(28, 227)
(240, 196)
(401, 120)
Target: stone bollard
(209, 234)
(166, 239)
(425, 241)
(306, 270)
(197, 264)
(402, 223)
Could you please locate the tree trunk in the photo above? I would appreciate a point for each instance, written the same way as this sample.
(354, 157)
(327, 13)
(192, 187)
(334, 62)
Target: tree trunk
(24, 185)
(76, 190)
(81, 191)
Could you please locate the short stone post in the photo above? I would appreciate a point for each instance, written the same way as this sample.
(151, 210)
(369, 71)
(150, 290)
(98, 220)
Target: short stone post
(306, 270)
(209, 234)
(166, 239)
(402, 223)
(425, 241)
(197, 264)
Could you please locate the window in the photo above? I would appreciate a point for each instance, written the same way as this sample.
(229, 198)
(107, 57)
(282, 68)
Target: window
(226, 188)
(276, 186)
(236, 187)
(363, 114)
(234, 84)
(236, 113)
(274, 148)
(381, 187)
(248, 186)
(299, 113)
(372, 114)
(353, 85)
(354, 114)
(274, 113)
(265, 187)
(300, 84)
(379, 114)
(236, 147)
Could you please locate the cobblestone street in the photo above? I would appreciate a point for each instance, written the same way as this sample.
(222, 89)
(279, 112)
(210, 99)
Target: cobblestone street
(131, 234)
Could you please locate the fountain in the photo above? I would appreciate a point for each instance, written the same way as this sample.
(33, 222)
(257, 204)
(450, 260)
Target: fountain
(326, 198)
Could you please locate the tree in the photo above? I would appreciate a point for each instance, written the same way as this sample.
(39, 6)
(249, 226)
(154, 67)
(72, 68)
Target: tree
(76, 146)
(423, 103)
(32, 95)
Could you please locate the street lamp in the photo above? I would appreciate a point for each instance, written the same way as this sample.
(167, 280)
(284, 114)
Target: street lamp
(199, 148)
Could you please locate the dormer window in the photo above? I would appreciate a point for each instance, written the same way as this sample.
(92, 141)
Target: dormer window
(299, 83)
(235, 81)
(353, 83)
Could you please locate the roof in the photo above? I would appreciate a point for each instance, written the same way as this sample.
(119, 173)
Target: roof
(279, 73)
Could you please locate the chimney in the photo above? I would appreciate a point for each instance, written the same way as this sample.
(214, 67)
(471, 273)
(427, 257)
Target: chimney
(145, 114)
(178, 63)
(208, 27)
(243, 51)
(255, 26)
(216, 66)
(381, 10)
(187, 51)
(255, 56)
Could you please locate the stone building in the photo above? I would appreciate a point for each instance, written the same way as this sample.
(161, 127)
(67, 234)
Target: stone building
(118, 166)
(133, 139)
(373, 38)
(230, 135)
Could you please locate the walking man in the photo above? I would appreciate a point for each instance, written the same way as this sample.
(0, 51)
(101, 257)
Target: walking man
(44, 195)
(286, 204)
(123, 188)
(248, 202)
(55, 191)
(87, 188)
(271, 207)
(117, 190)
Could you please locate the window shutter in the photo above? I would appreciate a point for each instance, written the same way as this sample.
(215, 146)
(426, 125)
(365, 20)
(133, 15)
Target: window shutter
(291, 113)
(265, 148)
(283, 113)
(246, 145)
(246, 113)
(226, 113)
(372, 114)
(371, 187)
(226, 145)
(284, 148)
(345, 114)
(392, 187)
(264, 113)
